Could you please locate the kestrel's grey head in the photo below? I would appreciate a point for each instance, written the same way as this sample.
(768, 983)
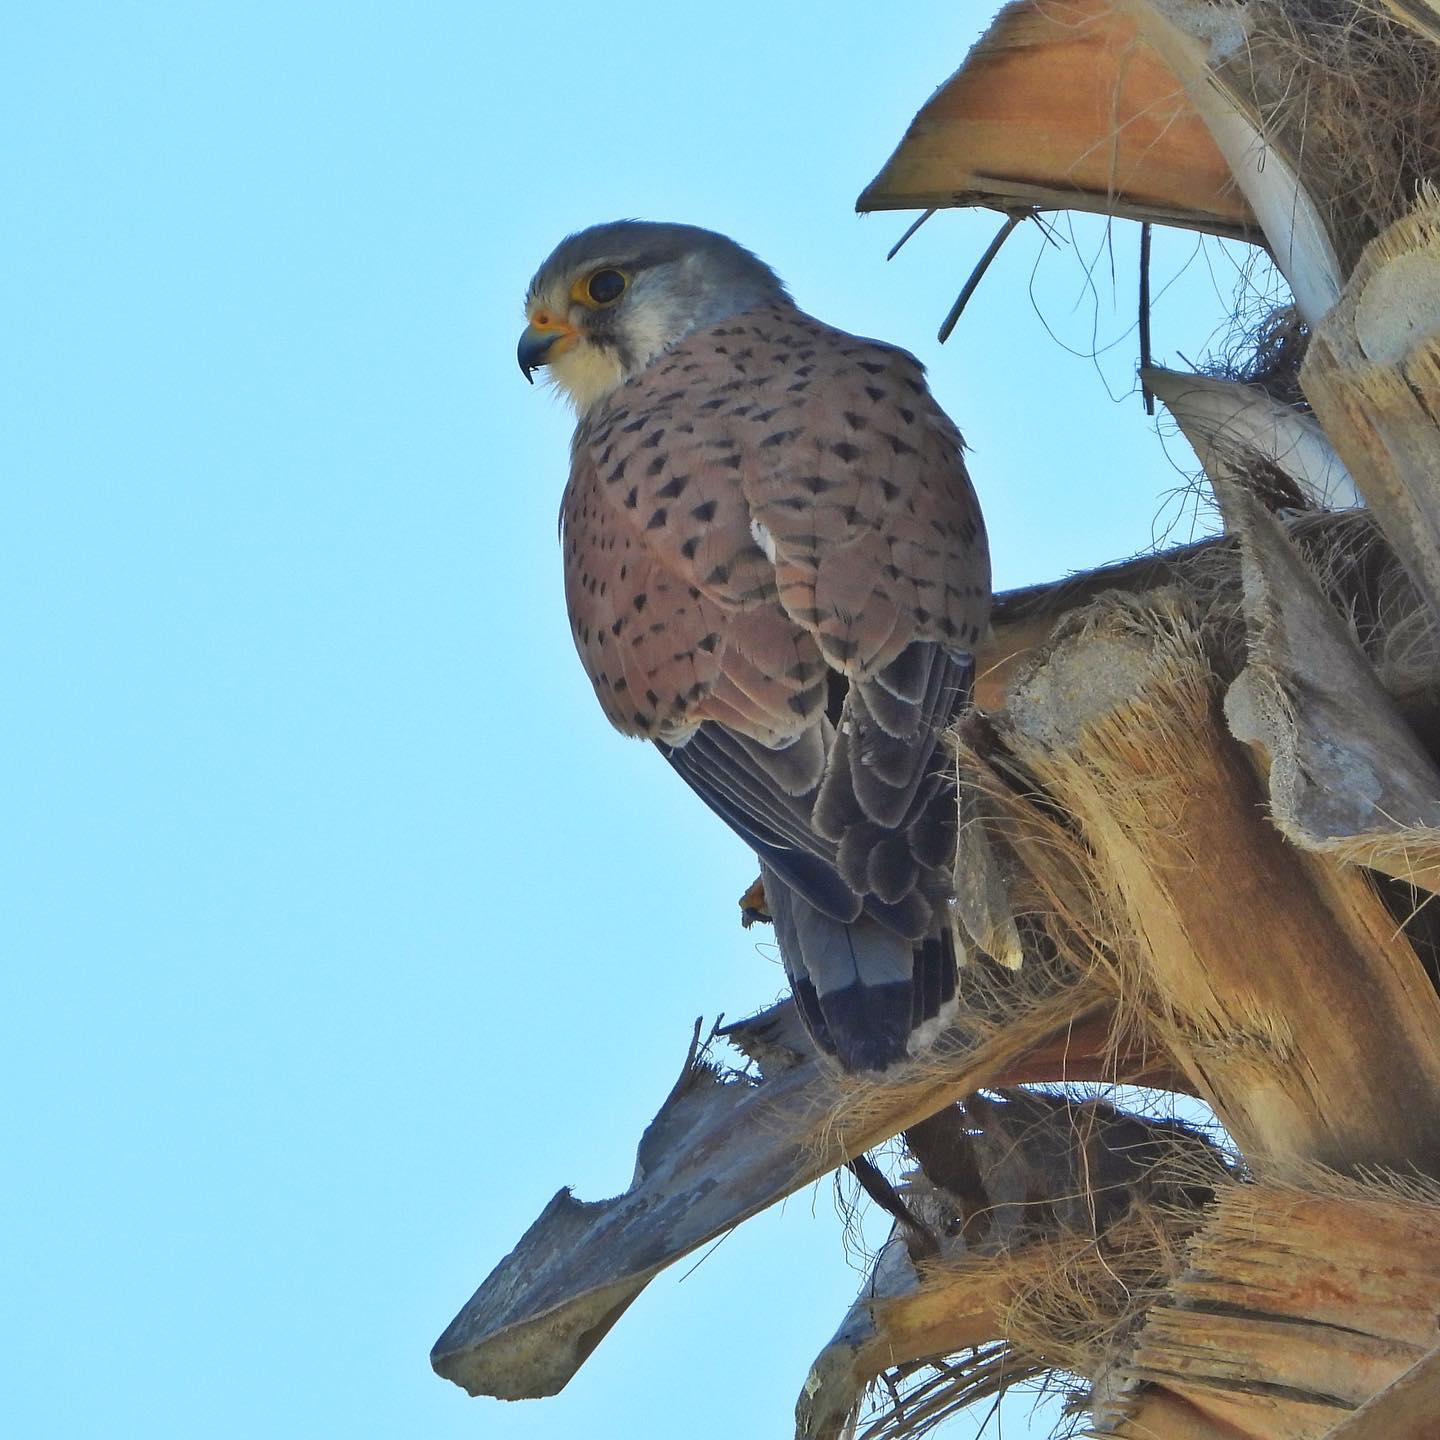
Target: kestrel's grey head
(611, 298)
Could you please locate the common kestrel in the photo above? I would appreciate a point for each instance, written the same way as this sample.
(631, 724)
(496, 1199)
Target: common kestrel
(776, 571)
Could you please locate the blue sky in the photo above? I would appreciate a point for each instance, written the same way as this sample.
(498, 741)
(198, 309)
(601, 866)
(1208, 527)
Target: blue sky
(340, 931)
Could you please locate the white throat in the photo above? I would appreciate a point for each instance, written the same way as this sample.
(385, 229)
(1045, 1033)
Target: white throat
(585, 374)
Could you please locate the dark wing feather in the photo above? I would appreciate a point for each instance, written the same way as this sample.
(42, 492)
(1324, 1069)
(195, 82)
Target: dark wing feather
(862, 866)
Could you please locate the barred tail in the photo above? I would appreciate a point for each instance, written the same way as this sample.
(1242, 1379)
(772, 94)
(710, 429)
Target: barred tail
(868, 996)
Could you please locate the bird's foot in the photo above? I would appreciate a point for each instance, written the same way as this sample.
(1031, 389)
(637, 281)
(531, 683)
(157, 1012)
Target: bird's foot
(752, 905)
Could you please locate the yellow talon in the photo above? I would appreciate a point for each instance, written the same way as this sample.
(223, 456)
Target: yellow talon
(752, 905)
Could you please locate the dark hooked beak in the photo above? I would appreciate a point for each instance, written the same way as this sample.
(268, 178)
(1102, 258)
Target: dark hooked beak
(536, 345)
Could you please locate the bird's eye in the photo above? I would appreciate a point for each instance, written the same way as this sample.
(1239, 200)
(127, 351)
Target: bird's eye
(605, 287)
